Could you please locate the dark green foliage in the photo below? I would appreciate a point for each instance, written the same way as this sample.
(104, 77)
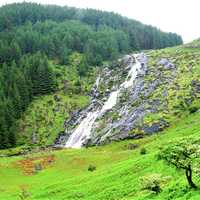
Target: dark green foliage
(143, 151)
(91, 168)
(19, 84)
(57, 31)
(83, 67)
(193, 109)
(40, 75)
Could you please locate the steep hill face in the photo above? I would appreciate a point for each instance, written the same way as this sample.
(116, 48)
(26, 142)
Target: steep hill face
(34, 39)
(165, 87)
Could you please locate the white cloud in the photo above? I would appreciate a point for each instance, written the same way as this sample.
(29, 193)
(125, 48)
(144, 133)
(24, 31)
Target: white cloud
(180, 16)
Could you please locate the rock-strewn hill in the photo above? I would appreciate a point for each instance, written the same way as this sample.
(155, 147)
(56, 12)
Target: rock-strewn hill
(166, 89)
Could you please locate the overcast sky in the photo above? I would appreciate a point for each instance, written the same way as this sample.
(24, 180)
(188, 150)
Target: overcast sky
(180, 16)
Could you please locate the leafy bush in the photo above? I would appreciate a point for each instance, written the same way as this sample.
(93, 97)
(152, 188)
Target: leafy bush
(91, 168)
(24, 194)
(143, 151)
(14, 151)
(193, 109)
(153, 182)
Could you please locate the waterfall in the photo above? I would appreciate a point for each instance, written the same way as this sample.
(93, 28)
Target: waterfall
(82, 132)
(97, 81)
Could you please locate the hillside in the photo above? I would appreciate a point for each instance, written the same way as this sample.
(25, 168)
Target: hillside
(165, 88)
(120, 168)
(36, 39)
(96, 106)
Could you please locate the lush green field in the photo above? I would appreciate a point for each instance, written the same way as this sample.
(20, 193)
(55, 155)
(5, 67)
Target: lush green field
(63, 174)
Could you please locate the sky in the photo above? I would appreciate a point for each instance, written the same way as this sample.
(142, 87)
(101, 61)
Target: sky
(179, 16)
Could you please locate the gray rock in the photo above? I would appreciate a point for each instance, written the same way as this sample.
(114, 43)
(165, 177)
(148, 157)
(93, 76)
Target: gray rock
(166, 63)
(155, 127)
(34, 137)
(196, 85)
(117, 123)
(143, 59)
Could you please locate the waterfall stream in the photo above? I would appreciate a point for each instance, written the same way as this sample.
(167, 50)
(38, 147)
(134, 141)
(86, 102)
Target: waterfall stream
(82, 132)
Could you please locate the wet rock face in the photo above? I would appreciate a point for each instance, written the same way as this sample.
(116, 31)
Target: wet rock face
(125, 119)
(155, 127)
(143, 59)
(166, 63)
(196, 86)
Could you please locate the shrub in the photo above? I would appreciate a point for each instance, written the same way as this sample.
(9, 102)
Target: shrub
(21, 150)
(153, 182)
(91, 168)
(24, 194)
(143, 151)
(193, 109)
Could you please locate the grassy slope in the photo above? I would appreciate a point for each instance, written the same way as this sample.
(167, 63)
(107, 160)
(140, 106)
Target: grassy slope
(181, 95)
(118, 169)
(117, 175)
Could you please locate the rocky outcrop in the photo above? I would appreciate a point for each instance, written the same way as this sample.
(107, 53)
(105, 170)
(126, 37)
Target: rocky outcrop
(155, 127)
(126, 119)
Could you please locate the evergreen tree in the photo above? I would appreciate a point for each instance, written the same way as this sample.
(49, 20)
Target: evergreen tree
(83, 67)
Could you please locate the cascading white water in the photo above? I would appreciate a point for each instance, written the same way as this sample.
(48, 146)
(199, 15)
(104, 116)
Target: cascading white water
(97, 82)
(82, 132)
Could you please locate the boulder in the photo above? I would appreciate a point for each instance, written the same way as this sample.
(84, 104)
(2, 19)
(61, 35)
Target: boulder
(166, 63)
(155, 127)
(132, 146)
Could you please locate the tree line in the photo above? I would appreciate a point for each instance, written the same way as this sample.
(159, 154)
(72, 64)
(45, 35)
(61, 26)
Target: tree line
(140, 36)
(31, 34)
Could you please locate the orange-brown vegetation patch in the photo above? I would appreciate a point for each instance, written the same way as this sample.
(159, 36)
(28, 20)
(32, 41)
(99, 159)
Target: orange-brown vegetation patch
(31, 166)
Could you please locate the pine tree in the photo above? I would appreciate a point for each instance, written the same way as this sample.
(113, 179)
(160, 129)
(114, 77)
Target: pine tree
(83, 67)
(15, 51)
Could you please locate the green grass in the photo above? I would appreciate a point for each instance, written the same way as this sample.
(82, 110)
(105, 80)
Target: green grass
(116, 177)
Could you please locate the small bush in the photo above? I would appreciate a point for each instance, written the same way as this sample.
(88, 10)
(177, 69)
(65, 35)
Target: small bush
(153, 182)
(21, 150)
(91, 168)
(193, 109)
(24, 194)
(143, 151)
(131, 146)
